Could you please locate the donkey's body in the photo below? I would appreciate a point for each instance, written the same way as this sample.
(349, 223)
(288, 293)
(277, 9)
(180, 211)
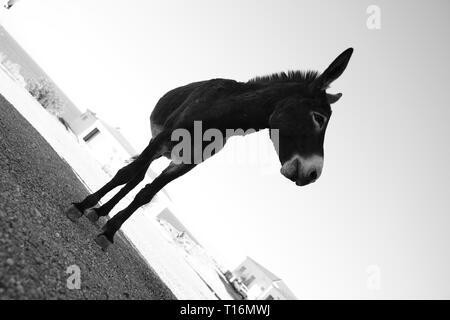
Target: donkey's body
(295, 103)
(218, 103)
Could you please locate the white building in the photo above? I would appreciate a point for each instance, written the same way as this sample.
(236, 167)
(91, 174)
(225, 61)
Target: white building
(257, 283)
(106, 143)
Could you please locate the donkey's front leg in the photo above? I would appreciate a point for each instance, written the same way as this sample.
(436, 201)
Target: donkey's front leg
(144, 196)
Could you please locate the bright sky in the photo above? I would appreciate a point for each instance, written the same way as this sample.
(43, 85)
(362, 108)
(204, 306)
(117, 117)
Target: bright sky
(382, 200)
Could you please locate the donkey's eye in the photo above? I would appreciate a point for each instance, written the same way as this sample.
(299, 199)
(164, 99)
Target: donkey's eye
(319, 119)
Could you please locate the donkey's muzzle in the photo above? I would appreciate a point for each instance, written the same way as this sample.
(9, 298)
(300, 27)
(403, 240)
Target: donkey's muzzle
(307, 179)
(302, 170)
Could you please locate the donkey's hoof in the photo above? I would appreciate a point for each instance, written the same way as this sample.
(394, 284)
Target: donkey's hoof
(92, 215)
(73, 213)
(103, 241)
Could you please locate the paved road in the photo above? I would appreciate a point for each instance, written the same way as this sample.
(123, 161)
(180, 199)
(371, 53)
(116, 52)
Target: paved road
(38, 243)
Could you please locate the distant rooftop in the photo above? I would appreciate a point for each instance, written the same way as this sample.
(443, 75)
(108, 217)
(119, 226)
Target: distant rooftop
(276, 281)
(269, 274)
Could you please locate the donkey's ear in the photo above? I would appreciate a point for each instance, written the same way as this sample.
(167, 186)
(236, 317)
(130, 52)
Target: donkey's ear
(333, 72)
(332, 98)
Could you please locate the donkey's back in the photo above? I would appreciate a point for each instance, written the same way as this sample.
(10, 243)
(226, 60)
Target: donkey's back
(168, 104)
(186, 98)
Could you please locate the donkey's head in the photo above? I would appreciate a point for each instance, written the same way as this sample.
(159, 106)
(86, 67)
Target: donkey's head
(302, 121)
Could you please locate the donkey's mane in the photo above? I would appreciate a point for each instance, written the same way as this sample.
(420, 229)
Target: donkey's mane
(291, 76)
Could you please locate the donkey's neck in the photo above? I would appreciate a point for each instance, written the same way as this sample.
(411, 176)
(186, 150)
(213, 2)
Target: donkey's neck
(256, 105)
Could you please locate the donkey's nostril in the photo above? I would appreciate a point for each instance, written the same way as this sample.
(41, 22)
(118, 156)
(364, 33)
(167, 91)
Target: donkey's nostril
(313, 175)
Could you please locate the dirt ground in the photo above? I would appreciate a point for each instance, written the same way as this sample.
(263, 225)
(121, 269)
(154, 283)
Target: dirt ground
(40, 249)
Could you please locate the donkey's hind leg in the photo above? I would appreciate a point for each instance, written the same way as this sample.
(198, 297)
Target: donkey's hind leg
(123, 176)
(93, 214)
(144, 196)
